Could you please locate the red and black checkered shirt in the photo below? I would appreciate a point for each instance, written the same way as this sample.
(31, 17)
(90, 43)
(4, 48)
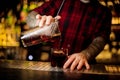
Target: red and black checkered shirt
(80, 22)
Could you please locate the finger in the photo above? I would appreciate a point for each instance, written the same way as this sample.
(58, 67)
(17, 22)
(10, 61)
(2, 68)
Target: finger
(49, 19)
(68, 62)
(38, 16)
(81, 63)
(87, 65)
(58, 17)
(47, 0)
(74, 64)
(42, 21)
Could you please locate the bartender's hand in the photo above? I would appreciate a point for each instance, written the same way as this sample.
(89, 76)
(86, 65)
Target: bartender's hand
(45, 20)
(76, 60)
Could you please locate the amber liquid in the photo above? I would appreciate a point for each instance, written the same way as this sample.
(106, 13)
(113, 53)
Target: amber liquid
(29, 41)
(58, 55)
(58, 59)
(35, 39)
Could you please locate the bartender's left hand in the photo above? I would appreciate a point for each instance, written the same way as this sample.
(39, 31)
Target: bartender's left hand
(76, 61)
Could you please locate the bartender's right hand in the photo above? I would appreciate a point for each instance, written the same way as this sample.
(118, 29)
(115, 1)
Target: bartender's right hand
(45, 20)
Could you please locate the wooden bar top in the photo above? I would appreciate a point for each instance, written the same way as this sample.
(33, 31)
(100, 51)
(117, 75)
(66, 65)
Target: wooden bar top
(36, 70)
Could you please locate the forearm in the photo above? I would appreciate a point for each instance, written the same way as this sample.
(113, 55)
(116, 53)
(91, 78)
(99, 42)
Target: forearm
(94, 48)
(31, 19)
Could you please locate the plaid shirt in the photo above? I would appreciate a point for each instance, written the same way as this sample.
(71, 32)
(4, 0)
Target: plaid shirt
(80, 22)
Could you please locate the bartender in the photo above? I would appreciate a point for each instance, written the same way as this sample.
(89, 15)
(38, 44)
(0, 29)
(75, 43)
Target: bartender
(84, 25)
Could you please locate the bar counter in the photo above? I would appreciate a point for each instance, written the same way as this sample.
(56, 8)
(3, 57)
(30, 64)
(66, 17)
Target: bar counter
(36, 70)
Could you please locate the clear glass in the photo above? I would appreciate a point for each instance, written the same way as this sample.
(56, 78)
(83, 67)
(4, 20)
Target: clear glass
(39, 35)
(58, 57)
